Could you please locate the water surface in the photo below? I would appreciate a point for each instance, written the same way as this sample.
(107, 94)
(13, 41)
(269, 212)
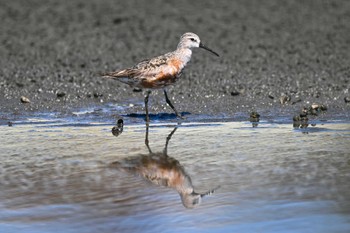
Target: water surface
(58, 177)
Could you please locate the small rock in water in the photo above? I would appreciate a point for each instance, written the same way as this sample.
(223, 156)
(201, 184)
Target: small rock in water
(254, 118)
(304, 112)
(254, 114)
(25, 100)
(301, 120)
(118, 129)
(296, 118)
(317, 108)
(9, 123)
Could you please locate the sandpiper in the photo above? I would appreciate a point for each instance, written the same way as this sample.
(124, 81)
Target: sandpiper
(161, 71)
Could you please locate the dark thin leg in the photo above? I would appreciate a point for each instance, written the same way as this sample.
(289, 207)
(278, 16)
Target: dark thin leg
(146, 139)
(146, 105)
(171, 105)
(165, 151)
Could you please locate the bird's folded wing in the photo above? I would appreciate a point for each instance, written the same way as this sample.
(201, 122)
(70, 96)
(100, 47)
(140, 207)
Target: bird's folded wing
(122, 73)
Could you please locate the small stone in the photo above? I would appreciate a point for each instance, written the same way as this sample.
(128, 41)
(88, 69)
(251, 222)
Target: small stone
(60, 94)
(117, 20)
(323, 107)
(9, 123)
(271, 96)
(300, 121)
(297, 100)
(19, 84)
(318, 107)
(118, 129)
(120, 123)
(25, 100)
(313, 112)
(303, 114)
(315, 106)
(347, 99)
(296, 118)
(97, 95)
(235, 93)
(254, 118)
(137, 89)
(254, 114)
(284, 99)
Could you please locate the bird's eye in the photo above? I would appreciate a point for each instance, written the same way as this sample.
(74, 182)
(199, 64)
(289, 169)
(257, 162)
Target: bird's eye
(192, 39)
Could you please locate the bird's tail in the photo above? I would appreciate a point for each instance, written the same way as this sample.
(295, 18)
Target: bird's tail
(106, 74)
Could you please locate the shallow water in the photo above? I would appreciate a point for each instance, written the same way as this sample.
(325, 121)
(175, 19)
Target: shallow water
(57, 177)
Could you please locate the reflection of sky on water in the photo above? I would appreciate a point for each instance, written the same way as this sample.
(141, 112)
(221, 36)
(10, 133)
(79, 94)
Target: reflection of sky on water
(273, 178)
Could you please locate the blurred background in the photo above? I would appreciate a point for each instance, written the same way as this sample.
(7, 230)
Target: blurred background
(53, 52)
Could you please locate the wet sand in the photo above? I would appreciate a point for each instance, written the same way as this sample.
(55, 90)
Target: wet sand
(52, 53)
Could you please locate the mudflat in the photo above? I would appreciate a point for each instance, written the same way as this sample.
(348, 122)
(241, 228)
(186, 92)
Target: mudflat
(275, 56)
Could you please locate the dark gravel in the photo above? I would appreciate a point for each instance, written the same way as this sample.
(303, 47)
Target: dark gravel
(52, 52)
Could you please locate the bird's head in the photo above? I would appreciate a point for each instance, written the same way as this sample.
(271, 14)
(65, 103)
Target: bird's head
(190, 40)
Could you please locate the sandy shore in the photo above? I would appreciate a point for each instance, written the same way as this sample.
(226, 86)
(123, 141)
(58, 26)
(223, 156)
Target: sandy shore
(52, 53)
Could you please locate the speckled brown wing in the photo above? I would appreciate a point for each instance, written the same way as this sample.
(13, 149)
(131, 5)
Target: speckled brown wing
(153, 63)
(122, 73)
(144, 66)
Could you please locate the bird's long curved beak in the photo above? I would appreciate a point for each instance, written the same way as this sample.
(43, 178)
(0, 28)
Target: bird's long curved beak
(206, 48)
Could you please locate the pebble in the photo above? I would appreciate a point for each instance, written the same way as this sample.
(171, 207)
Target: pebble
(97, 95)
(235, 93)
(284, 99)
(300, 121)
(254, 118)
(316, 108)
(25, 100)
(296, 100)
(347, 99)
(60, 94)
(254, 114)
(271, 96)
(118, 129)
(296, 118)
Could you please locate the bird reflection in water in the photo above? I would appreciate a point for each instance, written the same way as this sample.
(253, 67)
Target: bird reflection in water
(163, 170)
